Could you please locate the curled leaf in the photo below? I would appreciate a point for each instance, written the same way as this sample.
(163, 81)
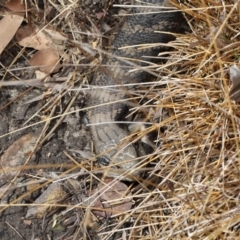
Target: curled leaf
(40, 38)
(46, 59)
(113, 198)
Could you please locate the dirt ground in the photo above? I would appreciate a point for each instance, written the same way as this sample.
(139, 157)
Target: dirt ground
(19, 119)
(71, 135)
(51, 184)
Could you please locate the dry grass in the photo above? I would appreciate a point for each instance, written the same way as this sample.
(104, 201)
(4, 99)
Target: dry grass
(192, 189)
(198, 155)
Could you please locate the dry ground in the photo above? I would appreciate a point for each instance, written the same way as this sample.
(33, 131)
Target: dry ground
(190, 189)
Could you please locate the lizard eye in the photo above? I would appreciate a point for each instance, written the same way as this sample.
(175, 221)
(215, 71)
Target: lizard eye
(103, 161)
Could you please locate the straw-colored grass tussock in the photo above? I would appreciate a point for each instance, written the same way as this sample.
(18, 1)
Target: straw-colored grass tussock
(198, 154)
(191, 188)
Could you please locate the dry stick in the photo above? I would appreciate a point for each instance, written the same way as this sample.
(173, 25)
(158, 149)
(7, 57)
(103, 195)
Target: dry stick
(14, 229)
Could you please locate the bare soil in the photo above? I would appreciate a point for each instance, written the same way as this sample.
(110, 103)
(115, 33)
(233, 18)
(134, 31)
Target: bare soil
(19, 118)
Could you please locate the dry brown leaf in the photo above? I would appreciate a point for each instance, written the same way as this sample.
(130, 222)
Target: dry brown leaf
(11, 22)
(8, 27)
(47, 60)
(37, 38)
(28, 36)
(15, 6)
(15, 156)
(113, 198)
(56, 36)
(52, 195)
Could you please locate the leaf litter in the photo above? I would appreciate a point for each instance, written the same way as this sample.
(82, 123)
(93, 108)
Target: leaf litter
(9, 24)
(191, 189)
